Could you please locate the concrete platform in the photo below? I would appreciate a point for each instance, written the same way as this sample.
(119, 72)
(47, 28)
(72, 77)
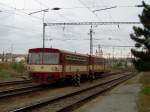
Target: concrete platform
(122, 98)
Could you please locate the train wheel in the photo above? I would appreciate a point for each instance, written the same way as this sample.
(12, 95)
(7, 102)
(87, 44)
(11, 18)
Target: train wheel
(76, 80)
(92, 77)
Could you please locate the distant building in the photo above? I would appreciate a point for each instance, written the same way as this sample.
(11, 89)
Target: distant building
(19, 59)
(9, 57)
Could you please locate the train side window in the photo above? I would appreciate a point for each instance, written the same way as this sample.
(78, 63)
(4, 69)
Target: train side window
(50, 58)
(76, 60)
(35, 58)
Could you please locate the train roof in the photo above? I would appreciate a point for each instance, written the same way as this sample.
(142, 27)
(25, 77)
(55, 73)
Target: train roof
(37, 50)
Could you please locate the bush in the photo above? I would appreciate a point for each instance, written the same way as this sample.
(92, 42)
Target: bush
(19, 67)
(4, 66)
(146, 90)
(144, 96)
(5, 74)
(141, 65)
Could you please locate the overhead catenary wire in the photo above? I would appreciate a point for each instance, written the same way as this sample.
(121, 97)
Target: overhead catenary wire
(22, 13)
(92, 23)
(96, 6)
(89, 9)
(21, 10)
(16, 28)
(110, 17)
(105, 8)
(69, 8)
(15, 12)
(40, 3)
(121, 46)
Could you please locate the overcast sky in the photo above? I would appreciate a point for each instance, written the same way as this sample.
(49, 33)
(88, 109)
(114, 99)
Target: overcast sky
(23, 31)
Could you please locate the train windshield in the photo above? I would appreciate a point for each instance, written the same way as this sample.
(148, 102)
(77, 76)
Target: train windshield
(43, 58)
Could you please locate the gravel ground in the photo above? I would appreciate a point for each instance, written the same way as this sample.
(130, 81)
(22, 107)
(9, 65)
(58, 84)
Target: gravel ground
(122, 98)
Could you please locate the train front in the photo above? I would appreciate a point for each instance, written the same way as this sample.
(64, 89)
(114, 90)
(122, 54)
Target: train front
(44, 65)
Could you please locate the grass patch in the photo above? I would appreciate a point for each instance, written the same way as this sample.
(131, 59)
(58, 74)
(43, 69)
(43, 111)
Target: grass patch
(5, 74)
(144, 104)
(19, 67)
(146, 91)
(144, 97)
(9, 71)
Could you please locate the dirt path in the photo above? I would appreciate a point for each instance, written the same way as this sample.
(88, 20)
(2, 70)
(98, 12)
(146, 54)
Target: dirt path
(122, 98)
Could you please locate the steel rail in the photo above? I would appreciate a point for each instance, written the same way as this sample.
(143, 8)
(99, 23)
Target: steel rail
(32, 87)
(14, 82)
(20, 90)
(51, 100)
(91, 93)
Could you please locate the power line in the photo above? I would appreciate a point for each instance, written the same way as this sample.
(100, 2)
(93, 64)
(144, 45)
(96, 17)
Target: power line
(3, 4)
(115, 46)
(40, 3)
(91, 23)
(89, 9)
(14, 27)
(109, 15)
(43, 10)
(105, 6)
(21, 10)
(91, 30)
(14, 13)
(65, 39)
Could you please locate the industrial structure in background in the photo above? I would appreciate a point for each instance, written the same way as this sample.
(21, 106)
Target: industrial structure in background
(83, 23)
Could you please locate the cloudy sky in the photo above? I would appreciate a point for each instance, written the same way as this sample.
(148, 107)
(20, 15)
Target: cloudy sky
(20, 31)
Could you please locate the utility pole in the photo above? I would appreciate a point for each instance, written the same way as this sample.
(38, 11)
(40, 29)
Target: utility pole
(121, 53)
(113, 55)
(91, 29)
(91, 41)
(44, 24)
(43, 35)
(99, 49)
(3, 57)
(46, 10)
(100, 52)
(11, 53)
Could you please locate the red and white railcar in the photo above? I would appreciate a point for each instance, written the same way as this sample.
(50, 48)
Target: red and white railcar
(48, 65)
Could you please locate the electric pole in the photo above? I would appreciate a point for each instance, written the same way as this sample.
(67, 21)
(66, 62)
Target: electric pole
(11, 53)
(91, 29)
(3, 57)
(91, 41)
(44, 24)
(100, 52)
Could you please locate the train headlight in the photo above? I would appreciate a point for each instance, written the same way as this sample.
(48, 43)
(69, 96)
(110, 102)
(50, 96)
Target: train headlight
(55, 69)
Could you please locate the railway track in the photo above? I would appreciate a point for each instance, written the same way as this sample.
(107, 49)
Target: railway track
(56, 104)
(20, 90)
(28, 87)
(14, 82)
